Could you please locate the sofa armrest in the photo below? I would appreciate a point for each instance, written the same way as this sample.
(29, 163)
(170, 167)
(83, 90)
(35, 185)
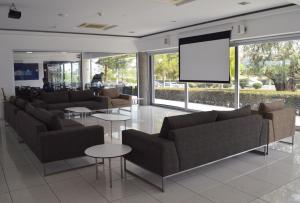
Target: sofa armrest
(125, 96)
(69, 143)
(151, 152)
(282, 123)
(105, 100)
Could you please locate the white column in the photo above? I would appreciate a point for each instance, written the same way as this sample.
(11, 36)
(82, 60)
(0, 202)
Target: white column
(86, 72)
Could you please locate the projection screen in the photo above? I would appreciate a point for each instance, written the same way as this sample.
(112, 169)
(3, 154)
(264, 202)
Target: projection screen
(205, 58)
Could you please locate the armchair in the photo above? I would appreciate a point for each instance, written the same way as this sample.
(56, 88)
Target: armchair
(113, 99)
(281, 120)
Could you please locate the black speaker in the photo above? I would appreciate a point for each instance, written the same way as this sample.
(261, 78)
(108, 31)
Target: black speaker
(14, 14)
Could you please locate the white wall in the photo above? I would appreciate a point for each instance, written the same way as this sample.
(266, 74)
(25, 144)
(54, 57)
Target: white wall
(276, 22)
(18, 41)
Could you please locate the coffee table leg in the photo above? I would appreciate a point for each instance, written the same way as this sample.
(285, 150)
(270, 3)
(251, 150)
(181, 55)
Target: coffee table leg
(121, 163)
(96, 168)
(125, 174)
(111, 131)
(110, 178)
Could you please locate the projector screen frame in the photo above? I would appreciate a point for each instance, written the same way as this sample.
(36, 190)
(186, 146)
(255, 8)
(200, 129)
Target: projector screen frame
(204, 38)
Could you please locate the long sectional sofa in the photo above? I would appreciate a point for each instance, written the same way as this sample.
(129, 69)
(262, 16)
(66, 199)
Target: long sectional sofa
(48, 134)
(65, 99)
(189, 141)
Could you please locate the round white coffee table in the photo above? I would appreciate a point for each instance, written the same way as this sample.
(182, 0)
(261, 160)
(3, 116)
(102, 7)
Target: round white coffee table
(83, 111)
(111, 118)
(108, 151)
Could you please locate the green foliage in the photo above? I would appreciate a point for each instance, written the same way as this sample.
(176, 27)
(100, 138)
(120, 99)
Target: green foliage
(257, 85)
(121, 68)
(244, 83)
(279, 61)
(166, 67)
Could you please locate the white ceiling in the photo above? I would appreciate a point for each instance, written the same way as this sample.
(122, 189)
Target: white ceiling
(143, 17)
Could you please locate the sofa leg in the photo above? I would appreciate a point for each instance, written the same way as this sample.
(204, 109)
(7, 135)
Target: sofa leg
(161, 187)
(289, 143)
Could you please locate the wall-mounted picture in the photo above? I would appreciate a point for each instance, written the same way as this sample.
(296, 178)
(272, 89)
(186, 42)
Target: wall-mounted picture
(26, 71)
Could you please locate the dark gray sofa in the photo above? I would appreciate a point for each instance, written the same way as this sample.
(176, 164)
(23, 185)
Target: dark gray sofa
(189, 141)
(51, 138)
(65, 99)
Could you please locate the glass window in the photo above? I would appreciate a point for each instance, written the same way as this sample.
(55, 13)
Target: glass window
(167, 88)
(118, 71)
(270, 71)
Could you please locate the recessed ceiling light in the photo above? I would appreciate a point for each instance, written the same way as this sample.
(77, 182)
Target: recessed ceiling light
(173, 21)
(244, 3)
(29, 52)
(63, 15)
(132, 32)
(99, 13)
(52, 27)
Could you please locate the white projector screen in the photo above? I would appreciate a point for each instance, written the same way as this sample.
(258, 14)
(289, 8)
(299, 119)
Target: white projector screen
(205, 58)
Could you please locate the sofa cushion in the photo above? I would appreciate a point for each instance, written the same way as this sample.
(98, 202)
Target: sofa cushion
(59, 106)
(225, 115)
(268, 107)
(53, 122)
(21, 103)
(81, 95)
(183, 121)
(112, 93)
(58, 113)
(55, 97)
(120, 102)
(68, 123)
(12, 99)
(94, 105)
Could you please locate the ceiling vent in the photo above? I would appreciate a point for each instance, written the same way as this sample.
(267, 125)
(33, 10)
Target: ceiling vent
(177, 2)
(97, 26)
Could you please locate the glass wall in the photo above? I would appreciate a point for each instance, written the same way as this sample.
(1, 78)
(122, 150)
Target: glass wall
(270, 71)
(115, 71)
(267, 72)
(62, 75)
(167, 89)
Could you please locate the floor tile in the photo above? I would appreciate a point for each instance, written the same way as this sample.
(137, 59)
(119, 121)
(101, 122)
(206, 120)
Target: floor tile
(227, 194)
(5, 198)
(220, 173)
(282, 195)
(252, 186)
(198, 183)
(139, 198)
(22, 177)
(271, 175)
(61, 176)
(173, 193)
(3, 185)
(120, 189)
(258, 201)
(76, 190)
(34, 195)
(294, 186)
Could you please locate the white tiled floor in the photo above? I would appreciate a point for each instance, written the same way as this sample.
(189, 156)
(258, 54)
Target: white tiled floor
(245, 178)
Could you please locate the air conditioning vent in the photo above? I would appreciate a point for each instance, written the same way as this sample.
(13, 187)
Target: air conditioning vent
(177, 2)
(97, 26)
